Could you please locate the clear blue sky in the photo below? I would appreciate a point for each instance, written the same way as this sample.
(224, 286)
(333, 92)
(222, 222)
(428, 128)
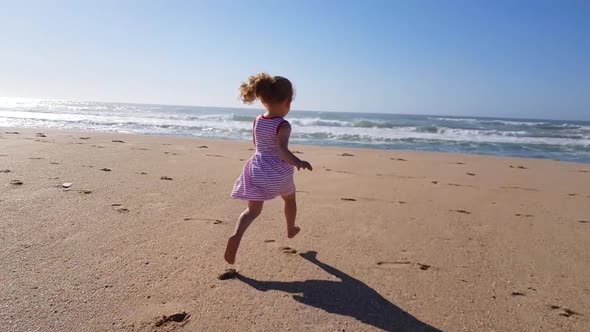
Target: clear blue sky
(491, 58)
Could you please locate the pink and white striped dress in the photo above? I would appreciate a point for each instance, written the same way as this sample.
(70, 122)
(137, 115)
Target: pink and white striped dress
(265, 175)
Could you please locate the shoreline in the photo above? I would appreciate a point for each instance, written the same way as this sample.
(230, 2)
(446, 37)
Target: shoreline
(404, 239)
(303, 145)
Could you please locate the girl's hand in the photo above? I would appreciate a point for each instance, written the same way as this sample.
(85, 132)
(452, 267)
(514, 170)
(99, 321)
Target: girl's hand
(304, 164)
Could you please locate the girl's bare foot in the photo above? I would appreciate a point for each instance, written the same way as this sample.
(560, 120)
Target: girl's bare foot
(232, 248)
(291, 232)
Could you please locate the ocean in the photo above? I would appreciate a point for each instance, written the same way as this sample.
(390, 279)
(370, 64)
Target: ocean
(549, 139)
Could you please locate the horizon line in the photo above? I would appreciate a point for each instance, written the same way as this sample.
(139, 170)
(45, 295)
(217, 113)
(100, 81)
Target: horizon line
(297, 110)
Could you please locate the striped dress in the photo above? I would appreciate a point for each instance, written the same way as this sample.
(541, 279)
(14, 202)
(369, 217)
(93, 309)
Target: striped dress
(265, 175)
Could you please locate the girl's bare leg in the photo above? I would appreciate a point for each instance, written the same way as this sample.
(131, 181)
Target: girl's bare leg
(290, 215)
(246, 218)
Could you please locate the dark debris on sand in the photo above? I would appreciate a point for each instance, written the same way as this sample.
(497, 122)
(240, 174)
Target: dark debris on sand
(180, 317)
(288, 250)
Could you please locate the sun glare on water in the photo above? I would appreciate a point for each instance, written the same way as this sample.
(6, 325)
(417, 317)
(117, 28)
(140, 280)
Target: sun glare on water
(14, 102)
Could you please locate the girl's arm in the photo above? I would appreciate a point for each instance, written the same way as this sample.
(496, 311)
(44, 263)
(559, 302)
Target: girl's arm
(254, 132)
(284, 153)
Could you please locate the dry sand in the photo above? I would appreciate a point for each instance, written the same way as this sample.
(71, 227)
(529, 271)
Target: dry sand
(405, 241)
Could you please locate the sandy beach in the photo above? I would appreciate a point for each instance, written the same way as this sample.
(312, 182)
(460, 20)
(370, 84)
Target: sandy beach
(390, 240)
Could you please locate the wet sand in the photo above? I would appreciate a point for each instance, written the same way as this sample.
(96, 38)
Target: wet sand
(390, 240)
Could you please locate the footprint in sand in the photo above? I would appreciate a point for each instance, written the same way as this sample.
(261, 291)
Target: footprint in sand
(269, 241)
(346, 155)
(5, 171)
(519, 167)
(348, 199)
(584, 221)
(53, 163)
(583, 171)
(180, 317)
(36, 158)
(122, 210)
(165, 178)
(398, 159)
(203, 147)
(228, 274)
(105, 169)
(84, 138)
(565, 312)
(423, 267)
(459, 163)
(523, 215)
(470, 174)
(117, 141)
(16, 182)
(116, 204)
(462, 211)
(215, 155)
(12, 132)
(517, 294)
(434, 182)
(288, 250)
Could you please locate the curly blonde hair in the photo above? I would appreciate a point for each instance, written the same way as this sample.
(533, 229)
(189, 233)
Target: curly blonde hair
(269, 89)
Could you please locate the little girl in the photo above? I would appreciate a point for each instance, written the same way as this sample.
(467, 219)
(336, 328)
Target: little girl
(269, 172)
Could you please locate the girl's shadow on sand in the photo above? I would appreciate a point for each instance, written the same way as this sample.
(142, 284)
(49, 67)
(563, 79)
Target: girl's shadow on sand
(349, 297)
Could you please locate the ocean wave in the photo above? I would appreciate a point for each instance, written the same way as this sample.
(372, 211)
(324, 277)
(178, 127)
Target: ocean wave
(534, 124)
(551, 139)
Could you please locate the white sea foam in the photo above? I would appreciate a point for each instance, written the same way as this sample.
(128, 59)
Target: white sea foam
(544, 138)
